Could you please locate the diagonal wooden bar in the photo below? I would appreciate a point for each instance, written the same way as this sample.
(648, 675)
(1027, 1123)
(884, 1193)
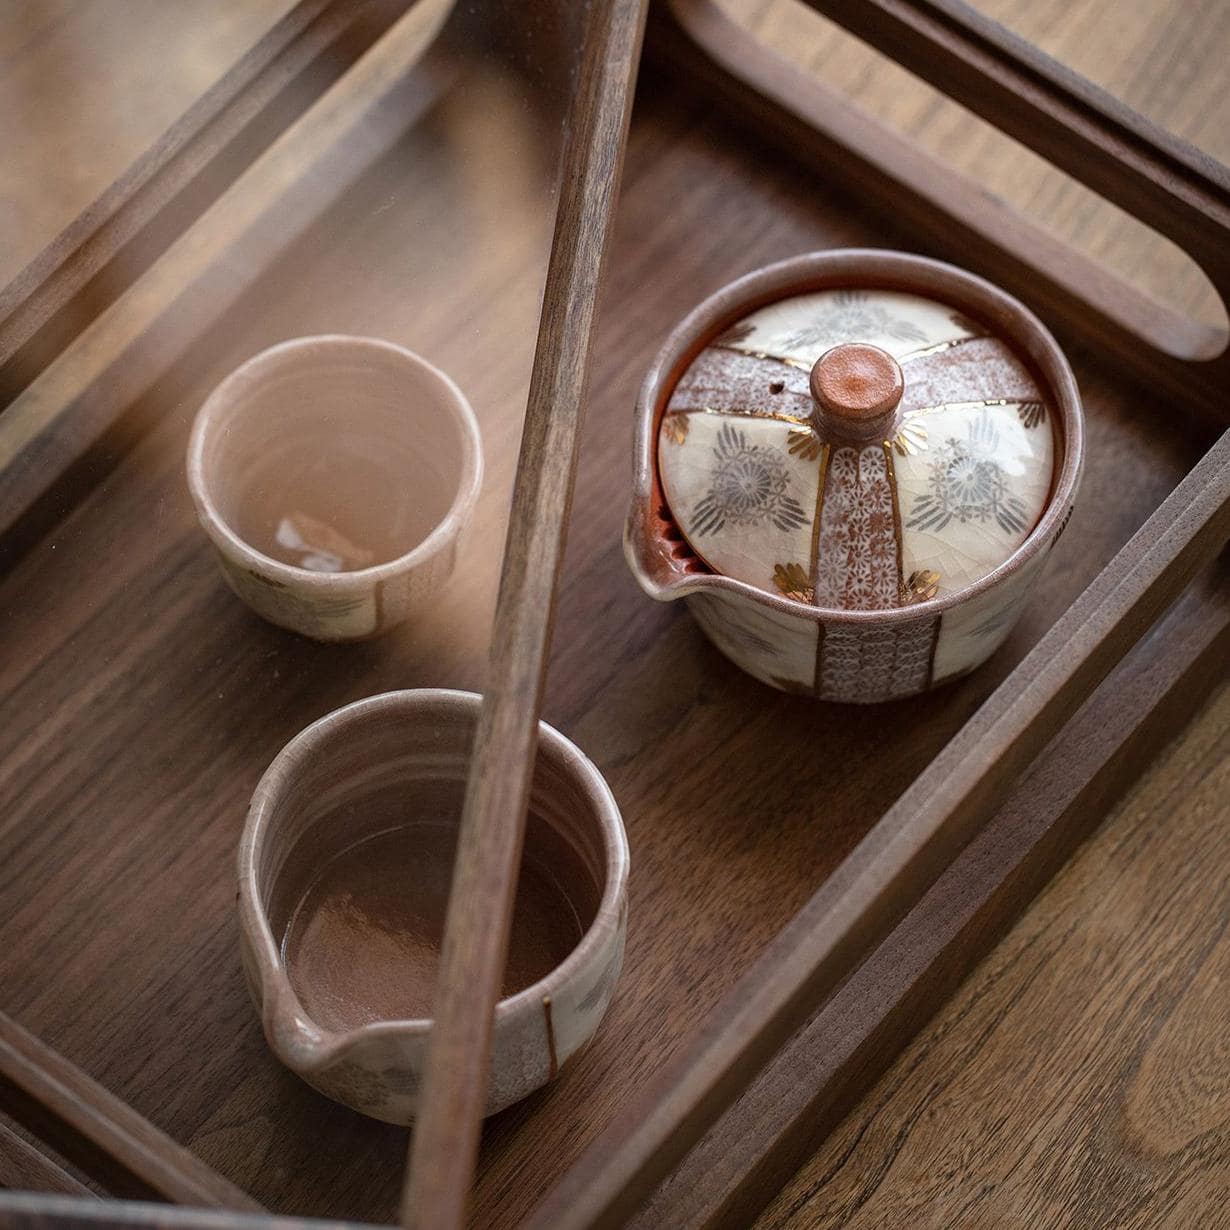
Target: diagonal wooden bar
(64, 267)
(24, 1166)
(1180, 192)
(826, 1069)
(900, 858)
(31, 1211)
(62, 413)
(445, 1139)
(98, 1132)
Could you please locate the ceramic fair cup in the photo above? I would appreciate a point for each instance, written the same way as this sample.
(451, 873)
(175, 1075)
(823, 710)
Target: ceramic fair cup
(334, 475)
(793, 641)
(344, 869)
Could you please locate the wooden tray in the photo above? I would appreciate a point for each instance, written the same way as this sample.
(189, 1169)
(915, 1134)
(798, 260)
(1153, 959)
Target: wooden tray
(141, 702)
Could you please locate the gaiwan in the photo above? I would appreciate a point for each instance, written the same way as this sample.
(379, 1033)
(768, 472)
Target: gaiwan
(853, 465)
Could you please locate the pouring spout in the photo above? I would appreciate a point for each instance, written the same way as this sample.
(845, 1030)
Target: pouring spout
(292, 1034)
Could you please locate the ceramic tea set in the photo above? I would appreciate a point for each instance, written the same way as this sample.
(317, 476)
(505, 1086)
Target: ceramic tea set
(851, 464)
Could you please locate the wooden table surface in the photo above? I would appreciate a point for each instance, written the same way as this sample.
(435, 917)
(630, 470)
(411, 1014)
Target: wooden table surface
(1079, 1078)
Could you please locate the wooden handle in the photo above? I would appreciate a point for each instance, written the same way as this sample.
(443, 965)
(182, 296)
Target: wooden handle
(445, 1139)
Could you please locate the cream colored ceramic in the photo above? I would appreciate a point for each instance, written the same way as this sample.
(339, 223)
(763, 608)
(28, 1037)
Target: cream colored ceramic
(334, 476)
(396, 764)
(852, 464)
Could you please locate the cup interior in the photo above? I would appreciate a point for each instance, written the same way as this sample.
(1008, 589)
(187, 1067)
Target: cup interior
(335, 454)
(355, 862)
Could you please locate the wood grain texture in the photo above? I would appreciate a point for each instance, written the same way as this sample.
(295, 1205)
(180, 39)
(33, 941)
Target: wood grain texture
(1079, 1078)
(97, 1131)
(474, 949)
(1045, 105)
(84, 92)
(890, 870)
(26, 1167)
(145, 701)
(1161, 57)
(24, 1211)
(825, 1070)
(181, 155)
(63, 412)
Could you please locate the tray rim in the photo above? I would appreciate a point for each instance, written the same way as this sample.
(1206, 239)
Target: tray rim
(1153, 567)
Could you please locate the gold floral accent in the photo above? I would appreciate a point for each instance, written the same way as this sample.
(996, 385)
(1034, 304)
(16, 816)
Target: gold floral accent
(791, 579)
(803, 442)
(922, 586)
(911, 438)
(675, 427)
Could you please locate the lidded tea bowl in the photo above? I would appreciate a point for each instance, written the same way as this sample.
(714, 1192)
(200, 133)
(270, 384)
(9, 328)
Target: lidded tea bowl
(853, 465)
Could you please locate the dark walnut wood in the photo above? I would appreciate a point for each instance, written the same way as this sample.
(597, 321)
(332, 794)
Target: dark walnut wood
(177, 176)
(25, 1166)
(1078, 1077)
(1177, 190)
(906, 851)
(827, 1068)
(53, 422)
(487, 863)
(91, 1127)
(145, 701)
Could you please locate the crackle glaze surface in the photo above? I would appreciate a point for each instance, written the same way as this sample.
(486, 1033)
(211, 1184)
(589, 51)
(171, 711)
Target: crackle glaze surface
(763, 494)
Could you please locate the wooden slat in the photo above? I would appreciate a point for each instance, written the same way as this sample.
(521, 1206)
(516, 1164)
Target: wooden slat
(901, 857)
(58, 416)
(27, 1211)
(93, 238)
(962, 219)
(445, 1139)
(827, 1067)
(24, 1167)
(98, 1132)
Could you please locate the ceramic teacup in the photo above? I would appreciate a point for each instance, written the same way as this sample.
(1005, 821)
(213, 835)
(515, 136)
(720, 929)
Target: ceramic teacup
(344, 871)
(334, 475)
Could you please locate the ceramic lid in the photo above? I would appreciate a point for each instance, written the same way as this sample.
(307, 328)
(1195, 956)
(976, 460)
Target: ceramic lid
(857, 449)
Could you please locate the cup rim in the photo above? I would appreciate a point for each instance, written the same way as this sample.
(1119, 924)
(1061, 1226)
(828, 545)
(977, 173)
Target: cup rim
(291, 1029)
(452, 400)
(888, 269)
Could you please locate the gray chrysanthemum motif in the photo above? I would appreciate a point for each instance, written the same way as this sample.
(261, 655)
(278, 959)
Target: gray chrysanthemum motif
(749, 486)
(967, 483)
(852, 318)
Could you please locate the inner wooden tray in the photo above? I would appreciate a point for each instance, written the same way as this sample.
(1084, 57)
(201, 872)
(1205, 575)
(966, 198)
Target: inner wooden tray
(140, 702)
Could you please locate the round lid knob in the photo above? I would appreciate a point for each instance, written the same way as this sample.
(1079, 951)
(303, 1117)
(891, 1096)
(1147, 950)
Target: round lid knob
(857, 388)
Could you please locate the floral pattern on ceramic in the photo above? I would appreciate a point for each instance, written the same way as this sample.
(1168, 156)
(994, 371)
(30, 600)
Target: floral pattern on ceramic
(971, 632)
(745, 502)
(955, 491)
(861, 665)
(800, 329)
(858, 538)
(971, 498)
(934, 499)
(778, 649)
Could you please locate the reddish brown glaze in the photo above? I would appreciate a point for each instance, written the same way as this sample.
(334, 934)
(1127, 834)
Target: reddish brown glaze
(857, 388)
